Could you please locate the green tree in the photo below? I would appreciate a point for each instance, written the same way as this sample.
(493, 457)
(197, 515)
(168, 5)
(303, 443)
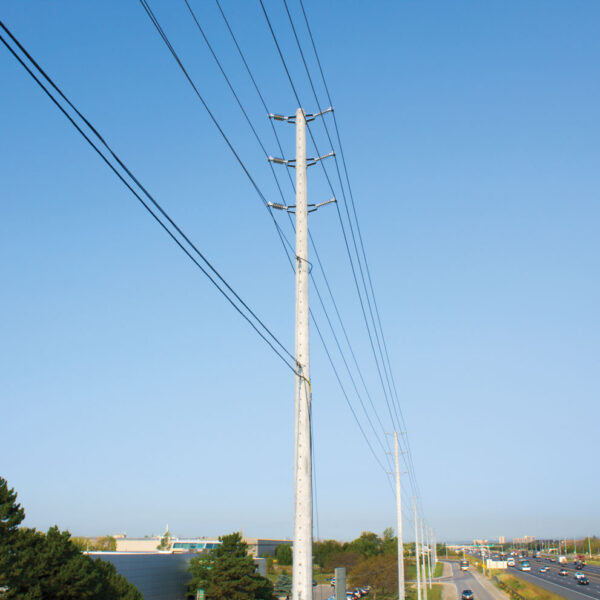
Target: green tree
(227, 572)
(283, 585)
(389, 544)
(368, 544)
(38, 566)
(324, 550)
(380, 572)
(346, 559)
(165, 541)
(283, 554)
(108, 542)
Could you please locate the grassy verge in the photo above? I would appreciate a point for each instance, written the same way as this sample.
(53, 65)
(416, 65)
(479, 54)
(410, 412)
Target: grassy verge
(521, 589)
(435, 593)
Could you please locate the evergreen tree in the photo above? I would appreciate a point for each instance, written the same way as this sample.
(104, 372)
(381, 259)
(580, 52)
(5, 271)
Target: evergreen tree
(38, 566)
(228, 572)
(283, 585)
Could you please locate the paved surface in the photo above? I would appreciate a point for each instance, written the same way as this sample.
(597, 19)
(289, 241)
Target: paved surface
(467, 580)
(322, 591)
(565, 586)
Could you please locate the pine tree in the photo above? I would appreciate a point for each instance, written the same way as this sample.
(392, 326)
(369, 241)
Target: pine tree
(38, 566)
(228, 572)
(283, 585)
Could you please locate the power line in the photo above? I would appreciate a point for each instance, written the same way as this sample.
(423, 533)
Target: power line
(284, 62)
(261, 144)
(265, 334)
(357, 224)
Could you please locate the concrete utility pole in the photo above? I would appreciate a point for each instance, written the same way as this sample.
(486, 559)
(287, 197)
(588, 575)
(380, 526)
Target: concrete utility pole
(303, 564)
(401, 593)
(424, 565)
(303, 513)
(417, 553)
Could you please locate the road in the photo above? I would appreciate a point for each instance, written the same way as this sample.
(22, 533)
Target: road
(565, 586)
(465, 580)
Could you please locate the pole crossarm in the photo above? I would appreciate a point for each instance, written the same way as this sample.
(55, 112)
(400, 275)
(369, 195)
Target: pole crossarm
(292, 118)
(291, 208)
(291, 162)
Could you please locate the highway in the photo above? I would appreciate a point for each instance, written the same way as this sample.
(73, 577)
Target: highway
(565, 586)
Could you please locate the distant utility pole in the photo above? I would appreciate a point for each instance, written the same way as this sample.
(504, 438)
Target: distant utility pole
(429, 554)
(417, 553)
(424, 565)
(401, 592)
(303, 513)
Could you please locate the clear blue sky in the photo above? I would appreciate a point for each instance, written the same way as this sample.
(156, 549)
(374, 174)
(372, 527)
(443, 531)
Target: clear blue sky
(132, 394)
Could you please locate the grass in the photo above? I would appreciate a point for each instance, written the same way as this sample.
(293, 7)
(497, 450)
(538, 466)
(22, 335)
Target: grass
(435, 593)
(525, 589)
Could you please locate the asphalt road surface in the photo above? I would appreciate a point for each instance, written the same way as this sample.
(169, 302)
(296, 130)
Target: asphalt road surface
(565, 586)
(464, 580)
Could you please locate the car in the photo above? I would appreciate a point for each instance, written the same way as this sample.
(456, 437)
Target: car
(544, 569)
(563, 572)
(583, 580)
(467, 595)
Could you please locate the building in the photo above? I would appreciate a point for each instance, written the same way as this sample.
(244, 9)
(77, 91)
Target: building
(258, 547)
(146, 544)
(480, 542)
(502, 540)
(192, 545)
(526, 539)
(158, 575)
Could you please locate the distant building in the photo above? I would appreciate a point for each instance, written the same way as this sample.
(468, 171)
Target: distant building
(193, 545)
(526, 539)
(158, 575)
(502, 540)
(480, 542)
(147, 544)
(258, 547)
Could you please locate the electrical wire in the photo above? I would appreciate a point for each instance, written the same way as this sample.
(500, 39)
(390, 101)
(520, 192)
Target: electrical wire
(266, 333)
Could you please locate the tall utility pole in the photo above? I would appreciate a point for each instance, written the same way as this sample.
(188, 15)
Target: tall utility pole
(303, 567)
(303, 513)
(417, 553)
(424, 566)
(401, 593)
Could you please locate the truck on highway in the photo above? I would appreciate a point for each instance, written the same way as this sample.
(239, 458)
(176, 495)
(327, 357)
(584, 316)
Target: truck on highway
(525, 566)
(510, 561)
(464, 565)
(562, 559)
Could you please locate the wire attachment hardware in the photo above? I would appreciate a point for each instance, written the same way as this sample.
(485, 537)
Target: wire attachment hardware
(292, 118)
(292, 207)
(291, 162)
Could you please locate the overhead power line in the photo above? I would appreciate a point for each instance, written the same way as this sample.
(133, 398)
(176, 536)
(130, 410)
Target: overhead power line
(192, 251)
(154, 19)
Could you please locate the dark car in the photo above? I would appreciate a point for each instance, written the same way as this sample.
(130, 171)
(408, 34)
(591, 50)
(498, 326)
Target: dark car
(563, 572)
(583, 580)
(467, 595)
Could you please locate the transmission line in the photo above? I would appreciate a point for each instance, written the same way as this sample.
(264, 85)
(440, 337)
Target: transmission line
(207, 268)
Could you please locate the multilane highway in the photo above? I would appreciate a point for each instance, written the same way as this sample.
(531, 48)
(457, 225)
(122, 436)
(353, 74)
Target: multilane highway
(564, 585)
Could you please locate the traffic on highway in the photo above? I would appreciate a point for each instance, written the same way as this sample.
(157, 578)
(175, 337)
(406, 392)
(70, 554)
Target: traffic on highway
(572, 579)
